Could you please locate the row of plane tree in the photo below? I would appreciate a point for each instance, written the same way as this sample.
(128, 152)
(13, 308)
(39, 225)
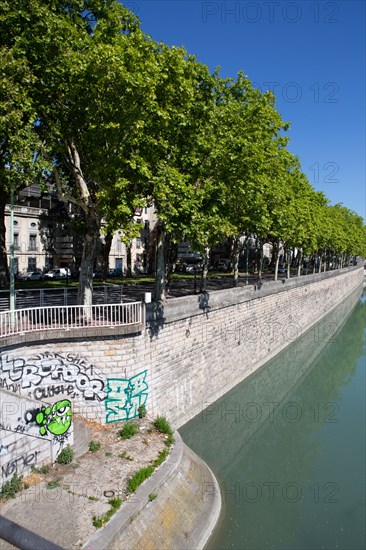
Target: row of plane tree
(116, 121)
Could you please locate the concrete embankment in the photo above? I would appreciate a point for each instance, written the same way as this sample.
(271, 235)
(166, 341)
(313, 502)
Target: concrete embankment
(191, 353)
(181, 515)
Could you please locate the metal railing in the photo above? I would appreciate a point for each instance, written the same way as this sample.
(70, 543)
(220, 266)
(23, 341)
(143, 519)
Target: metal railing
(37, 319)
(65, 296)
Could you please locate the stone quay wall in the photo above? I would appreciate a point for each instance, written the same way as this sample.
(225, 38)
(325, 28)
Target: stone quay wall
(192, 352)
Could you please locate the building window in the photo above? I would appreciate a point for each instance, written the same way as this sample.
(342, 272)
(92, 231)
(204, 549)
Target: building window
(33, 224)
(16, 241)
(32, 242)
(16, 265)
(32, 264)
(138, 243)
(147, 225)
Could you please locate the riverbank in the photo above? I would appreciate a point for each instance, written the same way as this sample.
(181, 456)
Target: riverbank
(287, 445)
(65, 501)
(177, 507)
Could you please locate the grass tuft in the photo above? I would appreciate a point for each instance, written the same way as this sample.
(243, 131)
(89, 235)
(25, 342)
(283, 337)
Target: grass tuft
(162, 456)
(11, 487)
(163, 426)
(115, 503)
(125, 455)
(128, 430)
(66, 455)
(94, 446)
(138, 478)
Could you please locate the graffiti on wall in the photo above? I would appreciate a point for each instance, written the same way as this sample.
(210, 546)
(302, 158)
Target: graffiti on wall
(52, 419)
(50, 374)
(124, 397)
(19, 464)
(55, 420)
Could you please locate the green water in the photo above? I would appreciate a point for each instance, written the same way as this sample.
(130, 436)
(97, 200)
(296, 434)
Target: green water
(287, 445)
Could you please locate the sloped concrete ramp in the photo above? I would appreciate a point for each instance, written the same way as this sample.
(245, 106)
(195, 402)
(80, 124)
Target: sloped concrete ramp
(182, 516)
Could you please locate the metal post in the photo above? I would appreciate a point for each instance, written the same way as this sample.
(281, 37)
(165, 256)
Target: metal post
(12, 286)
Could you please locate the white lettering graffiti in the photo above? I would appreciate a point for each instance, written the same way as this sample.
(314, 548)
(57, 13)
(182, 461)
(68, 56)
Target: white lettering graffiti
(38, 373)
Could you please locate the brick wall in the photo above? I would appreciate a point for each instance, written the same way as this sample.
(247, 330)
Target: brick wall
(22, 445)
(192, 352)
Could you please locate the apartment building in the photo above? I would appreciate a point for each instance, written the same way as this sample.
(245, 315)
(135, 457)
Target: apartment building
(45, 236)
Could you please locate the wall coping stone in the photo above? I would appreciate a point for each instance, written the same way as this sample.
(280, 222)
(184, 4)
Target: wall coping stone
(202, 304)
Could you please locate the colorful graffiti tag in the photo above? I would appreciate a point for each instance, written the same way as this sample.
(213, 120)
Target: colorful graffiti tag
(124, 397)
(56, 419)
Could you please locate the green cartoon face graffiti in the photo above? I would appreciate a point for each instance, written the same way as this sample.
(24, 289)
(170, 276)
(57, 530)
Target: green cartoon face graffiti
(56, 420)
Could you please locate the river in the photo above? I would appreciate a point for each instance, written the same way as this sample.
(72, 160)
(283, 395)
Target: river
(287, 445)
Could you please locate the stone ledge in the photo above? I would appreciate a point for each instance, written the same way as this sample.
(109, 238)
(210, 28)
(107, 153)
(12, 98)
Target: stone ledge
(70, 334)
(197, 305)
(182, 516)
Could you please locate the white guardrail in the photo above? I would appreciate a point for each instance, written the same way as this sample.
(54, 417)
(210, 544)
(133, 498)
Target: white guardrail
(38, 319)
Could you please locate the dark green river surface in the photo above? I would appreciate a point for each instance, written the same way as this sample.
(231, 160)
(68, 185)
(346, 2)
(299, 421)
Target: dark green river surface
(287, 445)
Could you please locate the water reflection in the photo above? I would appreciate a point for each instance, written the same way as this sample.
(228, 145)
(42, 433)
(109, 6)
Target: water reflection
(288, 444)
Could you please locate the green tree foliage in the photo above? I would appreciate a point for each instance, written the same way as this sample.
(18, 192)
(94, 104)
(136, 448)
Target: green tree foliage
(90, 66)
(174, 144)
(117, 121)
(20, 162)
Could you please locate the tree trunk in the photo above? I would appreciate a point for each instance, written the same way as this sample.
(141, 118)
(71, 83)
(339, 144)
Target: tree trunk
(90, 243)
(260, 263)
(275, 252)
(277, 259)
(129, 260)
(235, 259)
(294, 256)
(171, 256)
(299, 255)
(288, 263)
(106, 248)
(206, 261)
(159, 288)
(247, 259)
(4, 268)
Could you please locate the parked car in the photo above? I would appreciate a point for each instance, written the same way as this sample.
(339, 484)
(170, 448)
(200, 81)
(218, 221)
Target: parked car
(32, 276)
(115, 273)
(22, 277)
(195, 268)
(61, 273)
(35, 276)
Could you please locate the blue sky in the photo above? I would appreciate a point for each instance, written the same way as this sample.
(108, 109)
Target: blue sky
(310, 53)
